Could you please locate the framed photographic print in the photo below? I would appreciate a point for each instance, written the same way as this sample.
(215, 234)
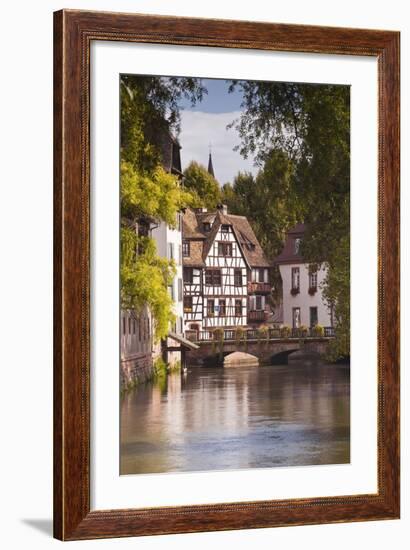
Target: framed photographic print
(226, 284)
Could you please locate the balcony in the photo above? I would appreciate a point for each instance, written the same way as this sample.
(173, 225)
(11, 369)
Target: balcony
(261, 288)
(257, 315)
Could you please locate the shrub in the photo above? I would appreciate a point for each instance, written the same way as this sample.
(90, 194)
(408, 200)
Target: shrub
(318, 330)
(263, 333)
(239, 335)
(285, 331)
(303, 330)
(160, 368)
(218, 333)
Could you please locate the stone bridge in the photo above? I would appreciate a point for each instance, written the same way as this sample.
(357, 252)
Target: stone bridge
(268, 351)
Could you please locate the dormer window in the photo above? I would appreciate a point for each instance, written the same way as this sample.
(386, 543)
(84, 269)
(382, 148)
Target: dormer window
(297, 245)
(207, 226)
(186, 249)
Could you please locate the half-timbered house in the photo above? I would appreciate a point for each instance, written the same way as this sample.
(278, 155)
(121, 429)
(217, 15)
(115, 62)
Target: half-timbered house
(226, 274)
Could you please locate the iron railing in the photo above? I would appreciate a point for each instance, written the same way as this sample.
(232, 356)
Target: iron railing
(249, 334)
(259, 287)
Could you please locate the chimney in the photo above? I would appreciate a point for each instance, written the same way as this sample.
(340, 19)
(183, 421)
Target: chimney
(223, 209)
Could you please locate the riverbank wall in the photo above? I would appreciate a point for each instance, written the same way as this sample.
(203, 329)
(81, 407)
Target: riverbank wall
(135, 370)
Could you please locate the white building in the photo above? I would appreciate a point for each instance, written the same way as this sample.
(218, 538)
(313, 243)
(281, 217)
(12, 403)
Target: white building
(138, 349)
(169, 245)
(303, 303)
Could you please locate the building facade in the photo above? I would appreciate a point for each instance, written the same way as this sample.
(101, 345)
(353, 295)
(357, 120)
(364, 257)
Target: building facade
(225, 272)
(303, 303)
(136, 342)
(137, 346)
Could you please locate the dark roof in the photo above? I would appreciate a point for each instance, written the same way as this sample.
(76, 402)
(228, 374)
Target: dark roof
(299, 228)
(195, 258)
(288, 255)
(170, 152)
(201, 240)
(210, 165)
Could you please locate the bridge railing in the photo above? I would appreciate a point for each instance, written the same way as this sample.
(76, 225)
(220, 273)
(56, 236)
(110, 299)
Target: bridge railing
(256, 334)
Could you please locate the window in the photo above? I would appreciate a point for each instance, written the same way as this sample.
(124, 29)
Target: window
(179, 290)
(295, 278)
(296, 317)
(258, 303)
(186, 249)
(261, 273)
(133, 326)
(297, 245)
(129, 325)
(224, 228)
(237, 277)
(124, 326)
(170, 251)
(238, 308)
(187, 304)
(207, 227)
(188, 275)
(312, 279)
(171, 291)
(313, 317)
(222, 308)
(224, 249)
(210, 308)
(213, 277)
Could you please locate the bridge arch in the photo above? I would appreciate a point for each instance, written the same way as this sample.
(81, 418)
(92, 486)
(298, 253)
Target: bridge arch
(240, 359)
(282, 357)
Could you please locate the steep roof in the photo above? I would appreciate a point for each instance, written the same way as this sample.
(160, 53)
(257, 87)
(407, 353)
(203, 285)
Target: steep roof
(288, 253)
(210, 166)
(194, 231)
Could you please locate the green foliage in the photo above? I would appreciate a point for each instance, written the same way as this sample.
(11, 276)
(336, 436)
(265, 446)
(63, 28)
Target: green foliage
(285, 331)
(319, 331)
(160, 368)
(309, 125)
(145, 278)
(149, 110)
(157, 195)
(202, 185)
(303, 331)
(263, 334)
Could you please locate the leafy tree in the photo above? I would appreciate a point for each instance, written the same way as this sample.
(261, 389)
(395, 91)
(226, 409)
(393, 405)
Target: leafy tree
(149, 110)
(311, 124)
(202, 185)
(157, 195)
(145, 278)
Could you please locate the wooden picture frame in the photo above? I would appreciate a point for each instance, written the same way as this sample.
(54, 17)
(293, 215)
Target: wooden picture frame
(73, 33)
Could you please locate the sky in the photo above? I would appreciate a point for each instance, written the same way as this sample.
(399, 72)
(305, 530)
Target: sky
(204, 126)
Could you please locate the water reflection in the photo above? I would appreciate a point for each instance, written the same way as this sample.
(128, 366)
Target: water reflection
(248, 417)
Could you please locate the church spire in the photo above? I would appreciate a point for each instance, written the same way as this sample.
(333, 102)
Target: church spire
(210, 165)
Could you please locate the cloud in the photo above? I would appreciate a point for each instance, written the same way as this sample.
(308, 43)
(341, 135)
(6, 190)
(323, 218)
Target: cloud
(198, 129)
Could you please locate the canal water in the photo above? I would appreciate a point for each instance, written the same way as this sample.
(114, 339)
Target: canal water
(232, 418)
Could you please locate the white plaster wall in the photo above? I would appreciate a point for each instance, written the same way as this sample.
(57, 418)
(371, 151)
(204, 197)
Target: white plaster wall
(303, 300)
(163, 235)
